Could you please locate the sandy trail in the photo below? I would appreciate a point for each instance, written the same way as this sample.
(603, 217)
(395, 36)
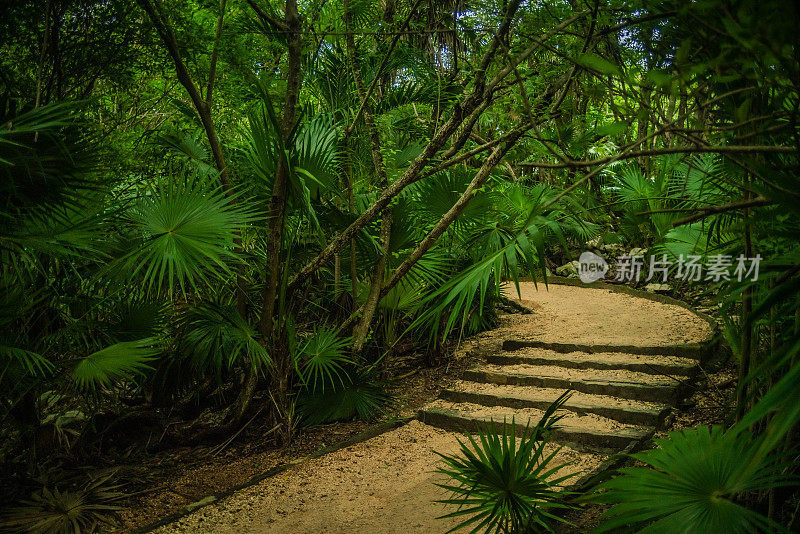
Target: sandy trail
(386, 484)
(582, 315)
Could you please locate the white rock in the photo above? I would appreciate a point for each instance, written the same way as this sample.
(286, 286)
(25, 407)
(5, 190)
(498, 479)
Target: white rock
(658, 288)
(595, 244)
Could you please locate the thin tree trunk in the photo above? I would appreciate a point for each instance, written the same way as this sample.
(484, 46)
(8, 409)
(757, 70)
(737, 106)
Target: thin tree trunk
(370, 305)
(351, 206)
(444, 223)
(747, 329)
(337, 274)
(451, 215)
(270, 329)
(203, 108)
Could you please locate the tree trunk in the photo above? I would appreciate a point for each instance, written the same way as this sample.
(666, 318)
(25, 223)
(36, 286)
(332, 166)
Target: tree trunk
(747, 329)
(370, 305)
(270, 326)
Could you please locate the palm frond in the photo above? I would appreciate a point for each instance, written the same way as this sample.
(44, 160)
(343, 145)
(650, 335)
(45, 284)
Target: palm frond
(321, 359)
(361, 395)
(186, 234)
(691, 484)
(121, 361)
(216, 338)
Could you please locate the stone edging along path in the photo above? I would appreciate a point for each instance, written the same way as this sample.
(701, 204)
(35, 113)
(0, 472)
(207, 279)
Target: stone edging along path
(622, 393)
(705, 351)
(375, 431)
(520, 378)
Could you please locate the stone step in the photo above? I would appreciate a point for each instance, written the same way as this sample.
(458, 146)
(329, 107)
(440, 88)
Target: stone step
(614, 383)
(588, 430)
(669, 365)
(695, 351)
(622, 410)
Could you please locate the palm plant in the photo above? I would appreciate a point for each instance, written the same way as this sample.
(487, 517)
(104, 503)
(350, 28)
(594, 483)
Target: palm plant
(506, 238)
(321, 360)
(334, 387)
(361, 394)
(54, 509)
(215, 338)
(51, 244)
(185, 235)
(695, 481)
(650, 204)
(506, 483)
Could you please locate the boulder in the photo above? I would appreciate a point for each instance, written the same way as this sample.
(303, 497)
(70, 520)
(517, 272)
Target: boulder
(595, 245)
(613, 250)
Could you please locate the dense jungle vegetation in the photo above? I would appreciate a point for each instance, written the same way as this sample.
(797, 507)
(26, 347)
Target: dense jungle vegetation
(216, 209)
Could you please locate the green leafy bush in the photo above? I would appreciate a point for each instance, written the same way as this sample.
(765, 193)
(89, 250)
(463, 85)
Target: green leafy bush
(69, 507)
(503, 485)
(695, 481)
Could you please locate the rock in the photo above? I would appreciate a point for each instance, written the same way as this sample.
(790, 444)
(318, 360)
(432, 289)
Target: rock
(637, 252)
(595, 244)
(569, 270)
(612, 250)
(658, 288)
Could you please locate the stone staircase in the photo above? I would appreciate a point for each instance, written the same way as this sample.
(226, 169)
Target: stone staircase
(621, 394)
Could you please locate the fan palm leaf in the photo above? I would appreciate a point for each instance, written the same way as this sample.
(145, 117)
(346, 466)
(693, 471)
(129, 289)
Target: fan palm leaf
(216, 338)
(187, 235)
(692, 483)
(321, 359)
(118, 362)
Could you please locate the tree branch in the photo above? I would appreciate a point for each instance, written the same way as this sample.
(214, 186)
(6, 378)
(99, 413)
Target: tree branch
(733, 149)
(261, 12)
(707, 211)
(385, 60)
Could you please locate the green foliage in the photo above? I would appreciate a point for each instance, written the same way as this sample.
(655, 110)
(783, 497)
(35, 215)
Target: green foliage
(49, 193)
(217, 338)
(186, 235)
(311, 154)
(57, 510)
(122, 360)
(191, 149)
(360, 394)
(695, 481)
(506, 483)
(504, 237)
(108, 243)
(20, 362)
(321, 360)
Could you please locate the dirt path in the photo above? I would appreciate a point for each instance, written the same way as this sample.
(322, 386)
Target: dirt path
(575, 314)
(387, 484)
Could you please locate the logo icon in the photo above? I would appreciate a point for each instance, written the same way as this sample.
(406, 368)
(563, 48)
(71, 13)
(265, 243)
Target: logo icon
(591, 267)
